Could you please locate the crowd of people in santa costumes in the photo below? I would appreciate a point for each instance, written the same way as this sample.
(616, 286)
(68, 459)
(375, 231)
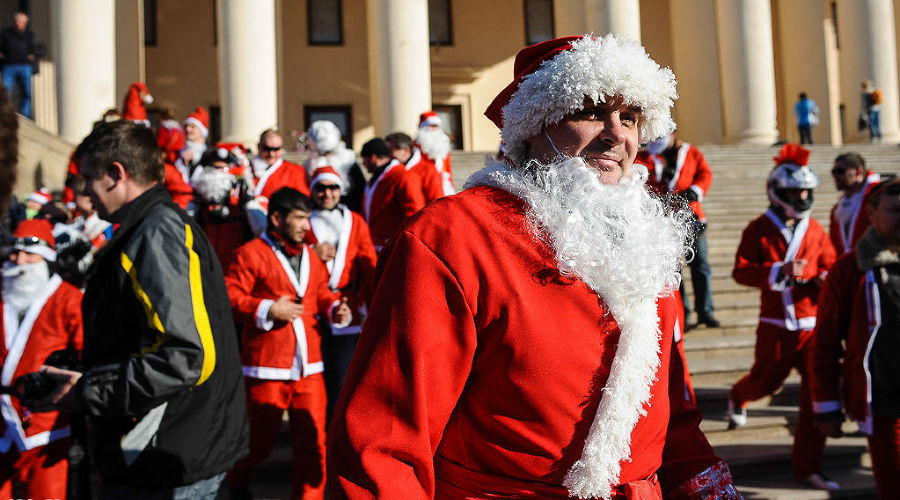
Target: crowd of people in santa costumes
(503, 313)
(854, 361)
(325, 146)
(786, 254)
(41, 315)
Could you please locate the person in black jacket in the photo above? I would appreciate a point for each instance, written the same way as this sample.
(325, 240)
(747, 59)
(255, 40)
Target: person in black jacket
(162, 382)
(17, 53)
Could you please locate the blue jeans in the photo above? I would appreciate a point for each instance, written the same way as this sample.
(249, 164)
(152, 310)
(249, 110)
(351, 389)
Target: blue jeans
(205, 489)
(21, 74)
(701, 277)
(875, 124)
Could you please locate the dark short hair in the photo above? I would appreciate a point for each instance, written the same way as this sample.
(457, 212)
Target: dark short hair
(286, 200)
(399, 140)
(875, 195)
(128, 143)
(802, 95)
(376, 147)
(851, 160)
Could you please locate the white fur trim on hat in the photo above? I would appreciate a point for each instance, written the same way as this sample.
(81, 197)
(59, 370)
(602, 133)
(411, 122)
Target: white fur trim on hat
(325, 136)
(593, 68)
(326, 176)
(43, 250)
(199, 125)
(433, 120)
(40, 197)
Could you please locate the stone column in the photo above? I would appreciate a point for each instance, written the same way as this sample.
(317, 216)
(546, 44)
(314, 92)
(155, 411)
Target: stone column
(247, 68)
(568, 17)
(868, 50)
(399, 63)
(747, 71)
(85, 53)
(622, 17)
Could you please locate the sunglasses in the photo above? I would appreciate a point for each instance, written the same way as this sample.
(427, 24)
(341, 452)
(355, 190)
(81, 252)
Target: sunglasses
(326, 187)
(839, 170)
(268, 149)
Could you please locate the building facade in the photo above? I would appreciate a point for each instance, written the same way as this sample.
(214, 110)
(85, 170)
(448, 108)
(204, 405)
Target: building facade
(373, 65)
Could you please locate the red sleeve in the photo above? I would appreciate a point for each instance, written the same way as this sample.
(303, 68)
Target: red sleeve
(182, 193)
(366, 258)
(703, 176)
(827, 254)
(240, 279)
(412, 199)
(75, 324)
(408, 371)
(751, 267)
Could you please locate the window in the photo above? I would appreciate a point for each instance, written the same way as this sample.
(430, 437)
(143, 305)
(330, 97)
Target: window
(150, 23)
(451, 117)
(538, 21)
(440, 23)
(339, 115)
(323, 21)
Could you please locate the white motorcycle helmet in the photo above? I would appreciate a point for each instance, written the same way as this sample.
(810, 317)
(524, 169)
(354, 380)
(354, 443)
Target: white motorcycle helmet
(790, 176)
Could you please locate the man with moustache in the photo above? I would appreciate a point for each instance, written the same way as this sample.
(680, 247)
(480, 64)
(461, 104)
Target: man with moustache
(520, 338)
(39, 315)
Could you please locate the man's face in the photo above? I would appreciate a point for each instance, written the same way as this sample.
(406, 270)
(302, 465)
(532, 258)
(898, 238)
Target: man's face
(21, 21)
(293, 226)
(846, 176)
(326, 195)
(107, 194)
(886, 216)
(374, 162)
(21, 258)
(401, 154)
(193, 133)
(270, 149)
(83, 204)
(606, 135)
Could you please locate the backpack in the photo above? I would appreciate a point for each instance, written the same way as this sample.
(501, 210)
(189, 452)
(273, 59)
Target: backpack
(876, 96)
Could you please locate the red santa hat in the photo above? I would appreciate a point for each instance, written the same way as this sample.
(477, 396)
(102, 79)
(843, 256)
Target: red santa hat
(200, 118)
(136, 98)
(35, 236)
(430, 119)
(552, 79)
(41, 196)
(326, 173)
(170, 138)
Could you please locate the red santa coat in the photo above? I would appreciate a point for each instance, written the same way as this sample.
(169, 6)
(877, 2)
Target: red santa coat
(282, 174)
(845, 236)
(691, 172)
(429, 175)
(389, 200)
(182, 192)
(259, 275)
(480, 369)
(53, 322)
(444, 168)
(765, 245)
(352, 271)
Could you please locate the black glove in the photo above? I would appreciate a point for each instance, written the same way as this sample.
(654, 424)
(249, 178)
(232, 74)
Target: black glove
(689, 195)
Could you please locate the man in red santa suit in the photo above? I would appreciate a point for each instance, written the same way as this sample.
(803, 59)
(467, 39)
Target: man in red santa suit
(679, 172)
(392, 194)
(324, 140)
(848, 220)
(278, 288)
(855, 352)
(271, 172)
(435, 146)
(520, 338)
(41, 314)
(404, 151)
(196, 131)
(786, 254)
(341, 239)
(134, 107)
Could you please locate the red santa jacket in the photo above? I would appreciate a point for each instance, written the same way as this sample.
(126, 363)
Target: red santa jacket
(282, 174)
(845, 236)
(691, 172)
(352, 271)
(389, 200)
(53, 322)
(480, 369)
(182, 192)
(258, 275)
(429, 175)
(765, 245)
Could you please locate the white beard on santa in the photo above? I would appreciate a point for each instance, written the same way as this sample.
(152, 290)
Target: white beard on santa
(213, 184)
(628, 247)
(24, 283)
(434, 143)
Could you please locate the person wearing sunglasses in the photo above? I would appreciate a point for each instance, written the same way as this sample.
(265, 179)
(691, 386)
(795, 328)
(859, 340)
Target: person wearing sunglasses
(848, 220)
(271, 172)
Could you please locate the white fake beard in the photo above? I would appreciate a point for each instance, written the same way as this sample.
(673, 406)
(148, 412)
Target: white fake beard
(213, 184)
(23, 283)
(434, 143)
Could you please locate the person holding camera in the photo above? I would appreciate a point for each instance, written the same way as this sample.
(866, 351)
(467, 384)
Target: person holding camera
(279, 292)
(41, 314)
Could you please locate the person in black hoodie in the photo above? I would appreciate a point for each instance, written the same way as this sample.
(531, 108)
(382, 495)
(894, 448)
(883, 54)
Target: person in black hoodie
(161, 382)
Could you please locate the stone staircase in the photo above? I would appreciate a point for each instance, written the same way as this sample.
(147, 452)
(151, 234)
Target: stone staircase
(758, 454)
